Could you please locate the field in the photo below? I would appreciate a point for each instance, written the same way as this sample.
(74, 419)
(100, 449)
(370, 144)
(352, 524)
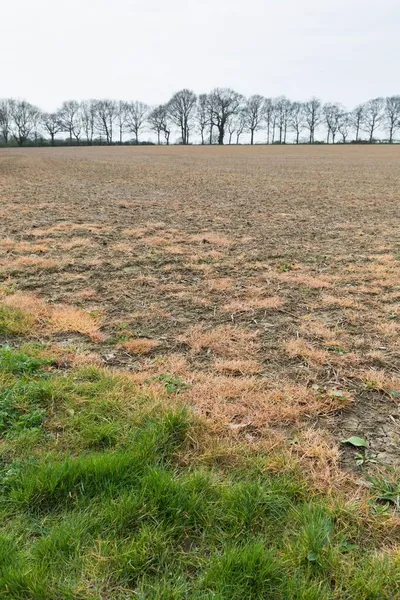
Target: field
(233, 315)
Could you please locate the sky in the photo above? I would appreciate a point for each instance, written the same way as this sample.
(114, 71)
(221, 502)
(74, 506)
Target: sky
(343, 51)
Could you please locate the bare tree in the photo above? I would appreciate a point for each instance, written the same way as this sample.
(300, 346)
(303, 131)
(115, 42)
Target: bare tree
(159, 122)
(52, 124)
(105, 114)
(240, 125)
(166, 125)
(278, 103)
(202, 116)
(156, 121)
(274, 120)
(373, 116)
(253, 112)
(282, 110)
(5, 119)
(345, 124)
(312, 116)
(136, 115)
(392, 115)
(296, 120)
(224, 102)
(181, 108)
(210, 119)
(70, 116)
(36, 132)
(357, 118)
(88, 114)
(24, 120)
(332, 113)
(236, 124)
(269, 112)
(121, 116)
(231, 127)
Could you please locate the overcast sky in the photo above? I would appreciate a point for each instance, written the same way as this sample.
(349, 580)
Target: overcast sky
(338, 50)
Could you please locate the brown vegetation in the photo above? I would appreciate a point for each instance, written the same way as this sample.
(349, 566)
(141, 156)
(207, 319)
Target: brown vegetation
(265, 278)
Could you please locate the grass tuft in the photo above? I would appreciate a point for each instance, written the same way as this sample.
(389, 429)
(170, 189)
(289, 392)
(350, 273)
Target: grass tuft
(14, 322)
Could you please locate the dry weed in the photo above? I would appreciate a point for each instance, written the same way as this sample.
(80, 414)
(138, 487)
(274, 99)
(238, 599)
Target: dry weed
(248, 304)
(139, 346)
(300, 348)
(225, 340)
(237, 367)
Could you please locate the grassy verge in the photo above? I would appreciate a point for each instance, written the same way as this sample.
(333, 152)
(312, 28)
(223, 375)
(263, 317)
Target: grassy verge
(110, 492)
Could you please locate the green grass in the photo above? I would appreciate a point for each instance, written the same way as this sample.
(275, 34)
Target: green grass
(107, 493)
(20, 363)
(14, 322)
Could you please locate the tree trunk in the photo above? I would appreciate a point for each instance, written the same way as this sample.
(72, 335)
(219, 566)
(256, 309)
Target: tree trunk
(268, 128)
(297, 137)
(230, 137)
(221, 135)
(211, 134)
(52, 138)
(252, 137)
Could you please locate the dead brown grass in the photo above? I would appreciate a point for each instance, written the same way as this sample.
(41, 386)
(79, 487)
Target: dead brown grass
(220, 285)
(69, 319)
(86, 295)
(13, 246)
(50, 318)
(338, 301)
(300, 348)
(237, 367)
(77, 243)
(30, 263)
(247, 399)
(139, 346)
(247, 304)
(379, 379)
(225, 340)
(210, 237)
(311, 281)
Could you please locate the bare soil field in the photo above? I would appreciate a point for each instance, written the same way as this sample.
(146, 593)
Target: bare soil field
(261, 283)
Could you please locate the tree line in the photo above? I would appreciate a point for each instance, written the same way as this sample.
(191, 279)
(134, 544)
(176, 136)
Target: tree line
(221, 116)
